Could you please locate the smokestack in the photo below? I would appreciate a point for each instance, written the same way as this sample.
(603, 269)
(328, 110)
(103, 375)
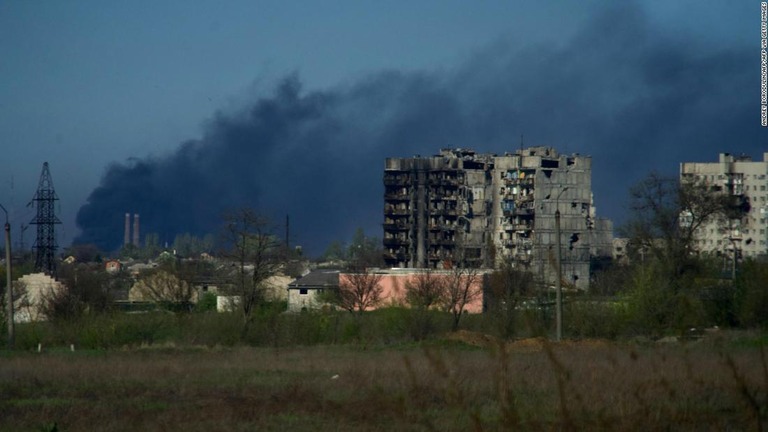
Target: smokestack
(136, 229)
(127, 235)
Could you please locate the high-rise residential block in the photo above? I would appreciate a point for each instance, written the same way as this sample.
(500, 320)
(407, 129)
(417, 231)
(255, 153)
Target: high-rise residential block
(464, 208)
(747, 180)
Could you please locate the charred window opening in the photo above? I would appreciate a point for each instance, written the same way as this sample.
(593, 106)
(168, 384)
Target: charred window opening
(571, 161)
(573, 240)
(550, 163)
(473, 253)
(547, 173)
(474, 165)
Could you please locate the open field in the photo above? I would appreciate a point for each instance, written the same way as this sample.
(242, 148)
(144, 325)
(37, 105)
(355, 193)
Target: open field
(441, 385)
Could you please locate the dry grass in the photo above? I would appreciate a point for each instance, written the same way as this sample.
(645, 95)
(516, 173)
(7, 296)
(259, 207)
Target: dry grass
(527, 385)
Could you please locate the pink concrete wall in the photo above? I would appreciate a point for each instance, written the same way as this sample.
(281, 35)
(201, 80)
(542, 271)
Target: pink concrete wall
(394, 289)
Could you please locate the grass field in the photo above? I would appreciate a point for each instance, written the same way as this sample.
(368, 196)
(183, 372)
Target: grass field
(471, 383)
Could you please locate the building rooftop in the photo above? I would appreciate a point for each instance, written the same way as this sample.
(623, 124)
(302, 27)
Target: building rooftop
(317, 279)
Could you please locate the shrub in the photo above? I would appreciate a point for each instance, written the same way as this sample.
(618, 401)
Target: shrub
(751, 298)
(591, 318)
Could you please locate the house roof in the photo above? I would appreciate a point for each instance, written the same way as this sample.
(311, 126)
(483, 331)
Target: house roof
(317, 279)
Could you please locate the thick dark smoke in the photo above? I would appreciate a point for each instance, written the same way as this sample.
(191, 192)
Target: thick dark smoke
(634, 98)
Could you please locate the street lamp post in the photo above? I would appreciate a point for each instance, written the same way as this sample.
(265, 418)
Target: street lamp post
(8, 288)
(559, 292)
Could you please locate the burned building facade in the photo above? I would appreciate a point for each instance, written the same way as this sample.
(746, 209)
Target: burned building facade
(464, 208)
(743, 234)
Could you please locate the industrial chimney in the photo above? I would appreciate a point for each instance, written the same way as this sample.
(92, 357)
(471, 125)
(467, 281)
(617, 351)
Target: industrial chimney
(127, 235)
(136, 229)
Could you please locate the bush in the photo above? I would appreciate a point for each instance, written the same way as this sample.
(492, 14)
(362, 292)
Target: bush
(206, 303)
(590, 318)
(657, 305)
(751, 297)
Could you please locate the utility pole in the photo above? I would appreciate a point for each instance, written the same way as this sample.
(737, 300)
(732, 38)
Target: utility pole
(8, 287)
(559, 292)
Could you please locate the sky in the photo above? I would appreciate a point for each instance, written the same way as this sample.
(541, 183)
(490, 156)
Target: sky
(177, 110)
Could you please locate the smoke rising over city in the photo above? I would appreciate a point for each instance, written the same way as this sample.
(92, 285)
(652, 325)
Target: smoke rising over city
(633, 97)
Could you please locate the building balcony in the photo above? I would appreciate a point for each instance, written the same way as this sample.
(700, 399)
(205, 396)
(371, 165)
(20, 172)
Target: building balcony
(396, 212)
(436, 197)
(396, 242)
(522, 257)
(396, 227)
(519, 182)
(442, 227)
(397, 256)
(443, 212)
(397, 197)
(518, 227)
(449, 183)
(519, 211)
(396, 181)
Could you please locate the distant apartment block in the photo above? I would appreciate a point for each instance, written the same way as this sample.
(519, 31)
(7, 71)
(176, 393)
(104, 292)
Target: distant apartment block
(745, 179)
(460, 207)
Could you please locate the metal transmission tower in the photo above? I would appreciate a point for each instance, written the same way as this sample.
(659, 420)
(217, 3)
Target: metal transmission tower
(45, 220)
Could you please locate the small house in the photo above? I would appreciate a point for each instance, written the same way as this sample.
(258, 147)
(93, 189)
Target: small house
(113, 266)
(305, 292)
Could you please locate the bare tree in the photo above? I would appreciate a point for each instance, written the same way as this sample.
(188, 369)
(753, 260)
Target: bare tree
(86, 289)
(508, 289)
(255, 251)
(461, 288)
(164, 286)
(359, 289)
(463, 285)
(426, 289)
(667, 214)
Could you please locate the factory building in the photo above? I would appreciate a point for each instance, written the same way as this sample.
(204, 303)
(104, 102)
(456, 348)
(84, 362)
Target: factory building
(746, 180)
(463, 208)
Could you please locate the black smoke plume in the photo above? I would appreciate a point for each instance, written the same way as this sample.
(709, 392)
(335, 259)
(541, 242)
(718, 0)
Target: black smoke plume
(635, 98)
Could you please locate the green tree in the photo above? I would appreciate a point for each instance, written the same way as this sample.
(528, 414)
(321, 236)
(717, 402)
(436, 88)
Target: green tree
(152, 246)
(658, 304)
(336, 251)
(188, 245)
(83, 253)
(366, 250)
(669, 278)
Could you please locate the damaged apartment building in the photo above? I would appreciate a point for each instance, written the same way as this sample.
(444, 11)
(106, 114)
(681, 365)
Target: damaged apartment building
(478, 210)
(745, 234)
